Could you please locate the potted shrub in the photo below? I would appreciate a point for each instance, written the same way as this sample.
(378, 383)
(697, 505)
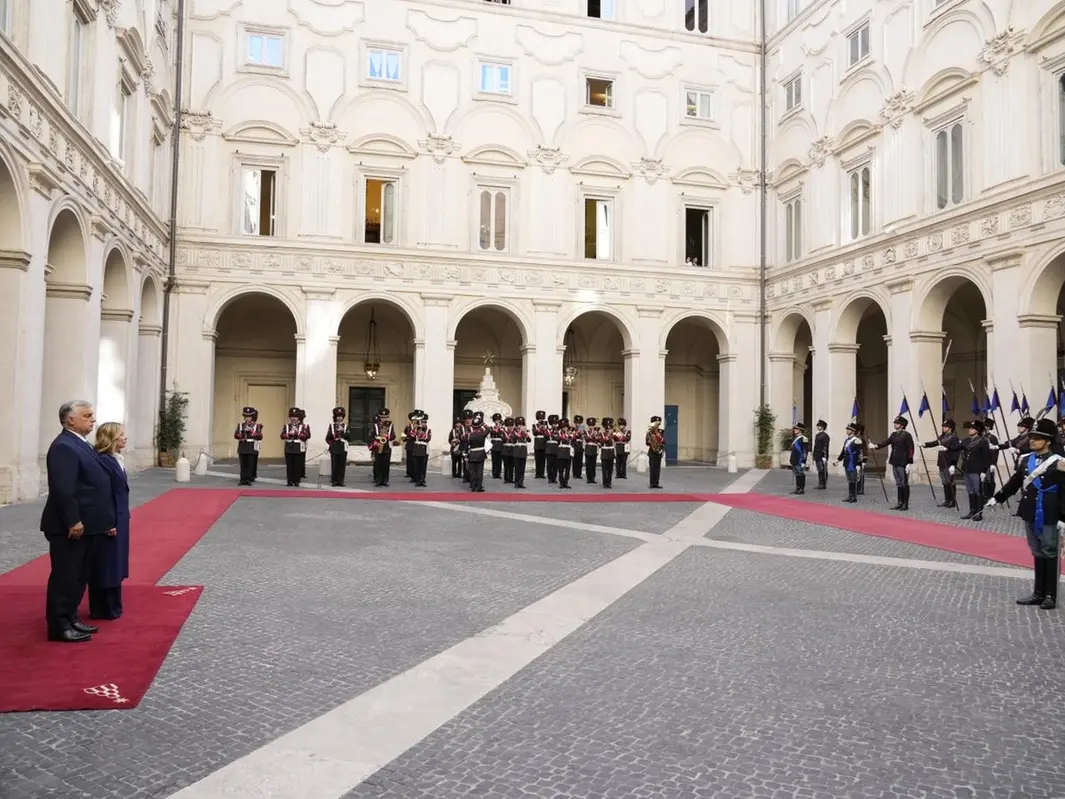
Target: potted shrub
(170, 432)
(764, 420)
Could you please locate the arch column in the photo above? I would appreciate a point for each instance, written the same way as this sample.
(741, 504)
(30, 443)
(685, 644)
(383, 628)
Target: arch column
(70, 360)
(822, 384)
(1034, 359)
(13, 269)
(434, 372)
(147, 394)
(903, 367)
(781, 385)
(316, 358)
(738, 393)
(645, 375)
(842, 381)
(545, 373)
(1018, 353)
(115, 381)
(926, 362)
(989, 376)
(191, 360)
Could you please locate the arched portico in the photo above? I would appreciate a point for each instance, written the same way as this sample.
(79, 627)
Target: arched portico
(858, 355)
(695, 418)
(491, 335)
(117, 342)
(594, 366)
(146, 399)
(791, 369)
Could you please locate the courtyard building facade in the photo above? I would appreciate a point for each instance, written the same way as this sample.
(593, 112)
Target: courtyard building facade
(378, 200)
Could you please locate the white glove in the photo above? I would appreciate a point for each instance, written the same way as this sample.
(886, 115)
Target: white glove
(951, 471)
(991, 470)
(872, 447)
(1061, 528)
(983, 475)
(1015, 451)
(993, 502)
(942, 449)
(907, 469)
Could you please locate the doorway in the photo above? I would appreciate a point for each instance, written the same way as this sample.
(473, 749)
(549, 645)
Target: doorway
(669, 421)
(363, 405)
(460, 398)
(271, 401)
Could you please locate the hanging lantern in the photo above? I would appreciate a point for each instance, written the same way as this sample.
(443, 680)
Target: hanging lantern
(371, 359)
(570, 369)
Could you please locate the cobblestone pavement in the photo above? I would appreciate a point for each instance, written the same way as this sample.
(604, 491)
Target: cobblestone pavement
(725, 674)
(922, 506)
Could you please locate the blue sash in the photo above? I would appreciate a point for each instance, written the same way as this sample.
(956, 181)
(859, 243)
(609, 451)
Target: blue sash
(1037, 484)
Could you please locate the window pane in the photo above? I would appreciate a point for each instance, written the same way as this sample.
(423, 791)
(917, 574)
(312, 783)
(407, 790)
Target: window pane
(485, 232)
(867, 204)
(486, 78)
(691, 104)
(249, 216)
(864, 48)
(392, 66)
(503, 75)
(789, 231)
(589, 229)
(853, 43)
(798, 229)
(798, 91)
(689, 15)
(273, 51)
(704, 16)
(856, 207)
(388, 213)
(606, 9)
(957, 170)
(255, 48)
(705, 109)
(267, 194)
(942, 167)
(376, 58)
(604, 233)
(501, 221)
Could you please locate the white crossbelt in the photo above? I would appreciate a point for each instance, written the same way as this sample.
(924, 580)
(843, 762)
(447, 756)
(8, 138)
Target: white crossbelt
(1041, 470)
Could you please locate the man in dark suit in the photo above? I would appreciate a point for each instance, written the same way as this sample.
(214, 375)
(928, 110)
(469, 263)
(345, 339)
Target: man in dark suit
(79, 510)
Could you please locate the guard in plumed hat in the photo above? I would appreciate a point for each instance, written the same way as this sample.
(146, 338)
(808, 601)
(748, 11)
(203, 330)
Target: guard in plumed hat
(464, 443)
(295, 434)
(851, 458)
(799, 456)
(539, 433)
(622, 445)
(576, 434)
(382, 438)
(478, 446)
(564, 458)
(249, 436)
(551, 448)
(655, 441)
(508, 450)
(1041, 480)
(592, 442)
(607, 452)
(821, 448)
(995, 447)
(408, 444)
(337, 438)
(495, 433)
(949, 450)
(454, 443)
(900, 460)
(520, 441)
(977, 453)
(422, 436)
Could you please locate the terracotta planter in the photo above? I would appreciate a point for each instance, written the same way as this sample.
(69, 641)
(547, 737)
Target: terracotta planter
(763, 461)
(166, 460)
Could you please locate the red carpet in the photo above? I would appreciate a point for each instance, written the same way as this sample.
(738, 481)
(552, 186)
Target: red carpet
(1007, 549)
(113, 671)
(161, 532)
(466, 496)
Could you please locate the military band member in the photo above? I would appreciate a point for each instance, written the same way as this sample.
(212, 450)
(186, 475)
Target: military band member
(800, 457)
(949, 447)
(464, 444)
(408, 445)
(508, 450)
(495, 432)
(382, 437)
(622, 445)
(992, 468)
(1042, 482)
(478, 445)
(851, 458)
(337, 437)
(303, 461)
(539, 434)
(454, 443)
(863, 460)
(577, 434)
(564, 457)
(822, 444)
(590, 438)
(519, 448)
(551, 448)
(977, 452)
(249, 435)
(295, 435)
(422, 436)
(607, 451)
(655, 441)
(900, 460)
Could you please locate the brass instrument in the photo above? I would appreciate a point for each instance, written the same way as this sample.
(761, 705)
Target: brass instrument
(656, 440)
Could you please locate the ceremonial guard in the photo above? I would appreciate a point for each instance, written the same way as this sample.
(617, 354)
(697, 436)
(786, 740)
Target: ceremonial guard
(993, 453)
(851, 458)
(1019, 445)
(863, 460)
(577, 460)
(454, 443)
(622, 445)
(800, 454)
(591, 448)
(337, 437)
(900, 460)
(539, 433)
(607, 451)
(977, 452)
(822, 445)
(408, 444)
(383, 436)
(656, 450)
(551, 448)
(303, 461)
(496, 434)
(508, 450)
(464, 443)
(947, 461)
(422, 436)
(249, 436)
(478, 445)
(519, 450)
(1040, 478)
(295, 434)
(1059, 440)
(564, 457)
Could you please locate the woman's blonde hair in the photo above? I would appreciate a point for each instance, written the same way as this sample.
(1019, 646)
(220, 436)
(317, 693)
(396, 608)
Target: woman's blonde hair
(107, 437)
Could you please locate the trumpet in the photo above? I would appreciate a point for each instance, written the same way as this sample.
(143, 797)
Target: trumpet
(656, 441)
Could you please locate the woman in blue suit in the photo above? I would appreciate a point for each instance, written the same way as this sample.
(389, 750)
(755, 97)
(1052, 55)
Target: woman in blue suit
(111, 563)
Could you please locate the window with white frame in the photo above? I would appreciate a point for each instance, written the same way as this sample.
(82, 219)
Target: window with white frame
(598, 229)
(698, 235)
(950, 165)
(697, 16)
(601, 9)
(120, 121)
(379, 211)
(793, 93)
(793, 230)
(493, 215)
(5, 17)
(1061, 119)
(258, 201)
(265, 50)
(793, 9)
(699, 104)
(494, 78)
(599, 92)
(858, 45)
(383, 64)
(860, 191)
(75, 56)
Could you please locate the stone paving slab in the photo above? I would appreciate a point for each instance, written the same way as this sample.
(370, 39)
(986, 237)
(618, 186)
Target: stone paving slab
(646, 517)
(307, 604)
(750, 527)
(736, 675)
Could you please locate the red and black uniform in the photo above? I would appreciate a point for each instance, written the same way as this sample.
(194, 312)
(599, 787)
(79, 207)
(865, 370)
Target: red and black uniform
(539, 433)
(519, 450)
(249, 436)
(337, 437)
(295, 434)
(422, 435)
(564, 436)
(622, 445)
(495, 433)
(382, 438)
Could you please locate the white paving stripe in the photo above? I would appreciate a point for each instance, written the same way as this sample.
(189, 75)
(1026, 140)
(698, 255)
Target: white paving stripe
(335, 752)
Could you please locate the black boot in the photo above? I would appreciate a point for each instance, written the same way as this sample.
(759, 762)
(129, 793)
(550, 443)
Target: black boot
(1050, 584)
(905, 498)
(1039, 590)
(801, 480)
(978, 514)
(972, 507)
(851, 489)
(898, 496)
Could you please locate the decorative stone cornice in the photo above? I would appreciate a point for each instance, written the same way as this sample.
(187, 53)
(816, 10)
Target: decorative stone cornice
(887, 338)
(822, 305)
(844, 349)
(15, 259)
(628, 354)
(439, 147)
(67, 291)
(43, 180)
(649, 312)
(897, 106)
(116, 314)
(110, 9)
(325, 293)
(549, 158)
(651, 169)
(1039, 321)
(927, 336)
(334, 341)
(988, 325)
(1000, 49)
(546, 306)
(187, 286)
(198, 124)
(323, 135)
(820, 150)
(437, 300)
(526, 349)
(900, 286)
(747, 179)
(150, 330)
(210, 335)
(1010, 260)
(99, 228)
(728, 357)
(781, 357)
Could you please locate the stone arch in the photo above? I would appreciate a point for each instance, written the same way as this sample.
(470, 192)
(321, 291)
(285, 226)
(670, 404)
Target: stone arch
(939, 290)
(151, 305)
(874, 74)
(709, 320)
(14, 232)
(399, 302)
(221, 93)
(919, 64)
(114, 381)
(850, 311)
(513, 310)
(1050, 24)
(1039, 293)
(794, 138)
(621, 143)
(624, 325)
(215, 311)
(792, 364)
(791, 168)
(728, 155)
(68, 245)
(943, 83)
(530, 131)
(347, 112)
(789, 322)
(854, 132)
(117, 286)
(693, 345)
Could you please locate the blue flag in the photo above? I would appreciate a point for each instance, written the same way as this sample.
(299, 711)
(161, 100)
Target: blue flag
(1061, 403)
(996, 403)
(946, 406)
(987, 405)
(1052, 399)
(924, 406)
(904, 409)
(854, 409)
(1015, 405)
(976, 406)
(1026, 409)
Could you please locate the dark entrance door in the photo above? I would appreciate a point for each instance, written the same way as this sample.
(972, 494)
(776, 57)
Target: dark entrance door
(460, 398)
(669, 422)
(363, 404)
